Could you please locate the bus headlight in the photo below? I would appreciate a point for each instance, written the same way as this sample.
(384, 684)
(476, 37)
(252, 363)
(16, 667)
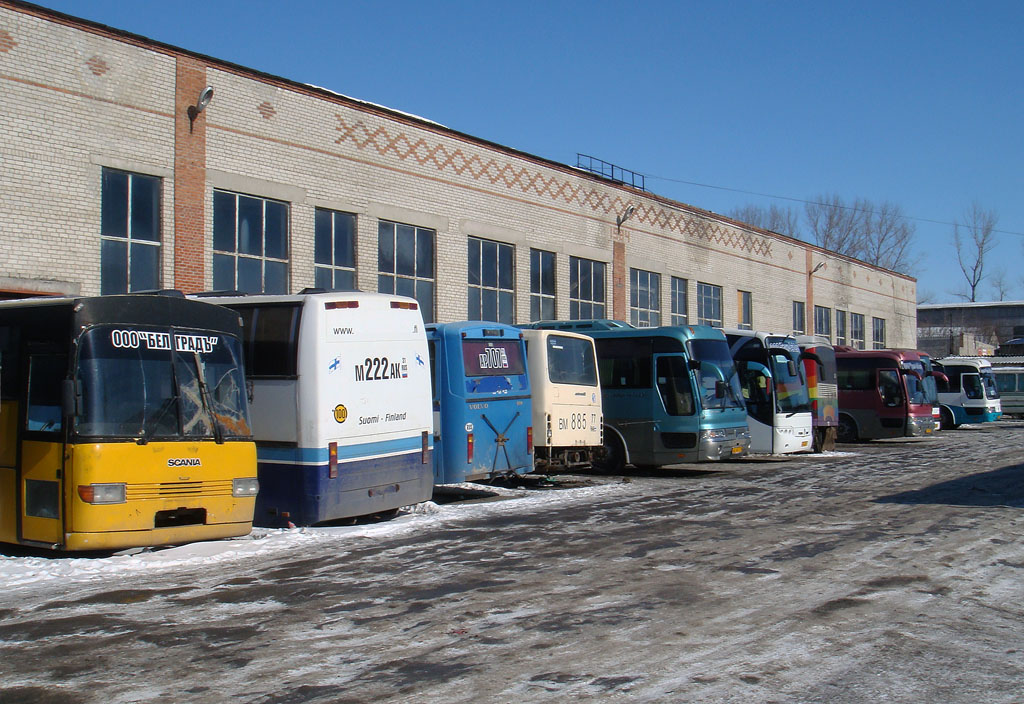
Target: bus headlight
(244, 487)
(102, 493)
(715, 434)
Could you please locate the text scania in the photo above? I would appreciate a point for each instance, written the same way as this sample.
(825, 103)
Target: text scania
(381, 369)
(184, 462)
(494, 358)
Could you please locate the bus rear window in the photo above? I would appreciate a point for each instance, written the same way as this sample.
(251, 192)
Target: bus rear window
(492, 357)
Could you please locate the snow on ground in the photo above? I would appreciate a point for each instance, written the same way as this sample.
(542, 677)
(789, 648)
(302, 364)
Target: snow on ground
(21, 572)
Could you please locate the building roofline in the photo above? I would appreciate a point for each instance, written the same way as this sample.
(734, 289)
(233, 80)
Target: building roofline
(969, 304)
(415, 120)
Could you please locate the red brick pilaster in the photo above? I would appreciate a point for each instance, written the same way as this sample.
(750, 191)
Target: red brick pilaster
(189, 178)
(619, 278)
(809, 280)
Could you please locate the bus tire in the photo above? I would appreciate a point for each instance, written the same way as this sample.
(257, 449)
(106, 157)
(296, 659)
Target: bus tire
(847, 430)
(613, 459)
(946, 421)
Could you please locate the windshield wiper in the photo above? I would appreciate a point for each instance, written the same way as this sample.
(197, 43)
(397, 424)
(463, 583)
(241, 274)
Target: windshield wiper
(204, 395)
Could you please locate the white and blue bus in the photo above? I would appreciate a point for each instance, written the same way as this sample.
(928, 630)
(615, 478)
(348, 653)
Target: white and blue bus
(339, 388)
(971, 394)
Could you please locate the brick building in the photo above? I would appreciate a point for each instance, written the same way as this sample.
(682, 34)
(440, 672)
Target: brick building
(113, 179)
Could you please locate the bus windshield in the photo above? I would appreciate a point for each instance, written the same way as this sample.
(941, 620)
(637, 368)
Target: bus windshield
(133, 384)
(492, 358)
(988, 378)
(972, 386)
(571, 361)
(790, 388)
(916, 390)
(716, 366)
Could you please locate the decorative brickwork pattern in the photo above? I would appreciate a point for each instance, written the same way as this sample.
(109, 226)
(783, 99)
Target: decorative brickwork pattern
(6, 41)
(491, 171)
(266, 109)
(97, 65)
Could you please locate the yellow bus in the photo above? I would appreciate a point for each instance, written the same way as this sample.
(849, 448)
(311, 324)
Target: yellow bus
(123, 423)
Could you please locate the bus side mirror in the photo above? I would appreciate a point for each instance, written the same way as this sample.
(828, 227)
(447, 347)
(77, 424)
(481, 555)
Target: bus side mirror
(693, 364)
(69, 398)
(791, 367)
(811, 356)
(914, 373)
(719, 389)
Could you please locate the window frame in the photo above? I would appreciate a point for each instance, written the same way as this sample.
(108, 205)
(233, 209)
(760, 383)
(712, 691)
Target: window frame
(504, 297)
(541, 298)
(419, 282)
(679, 297)
(857, 322)
(237, 256)
(745, 312)
(132, 261)
(799, 317)
(877, 333)
(823, 321)
(644, 298)
(333, 269)
(596, 305)
(840, 327)
(709, 293)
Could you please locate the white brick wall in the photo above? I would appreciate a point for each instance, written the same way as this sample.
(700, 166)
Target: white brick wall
(314, 150)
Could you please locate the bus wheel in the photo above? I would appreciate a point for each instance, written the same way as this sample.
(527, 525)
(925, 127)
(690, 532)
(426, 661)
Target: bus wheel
(946, 420)
(613, 459)
(847, 431)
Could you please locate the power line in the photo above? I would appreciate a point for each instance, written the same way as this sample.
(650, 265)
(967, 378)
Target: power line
(813, 202)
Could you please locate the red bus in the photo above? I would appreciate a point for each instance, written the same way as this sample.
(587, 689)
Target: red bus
(882, 395)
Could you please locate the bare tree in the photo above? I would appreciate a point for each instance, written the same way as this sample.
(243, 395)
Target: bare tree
(973, 238)
(835, 225)
(1000, 284)
(785, 221)
(888, 238)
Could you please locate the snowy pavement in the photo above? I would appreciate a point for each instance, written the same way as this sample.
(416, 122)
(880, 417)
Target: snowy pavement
(886, 571)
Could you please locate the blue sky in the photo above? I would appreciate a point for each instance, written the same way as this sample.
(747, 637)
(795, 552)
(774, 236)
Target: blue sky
(918, 103)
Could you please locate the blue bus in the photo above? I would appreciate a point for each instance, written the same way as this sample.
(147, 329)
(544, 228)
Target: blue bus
(340, 396)
(482, 406)
(669, 394)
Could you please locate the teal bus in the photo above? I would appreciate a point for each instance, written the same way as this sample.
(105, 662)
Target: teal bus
(669, 394)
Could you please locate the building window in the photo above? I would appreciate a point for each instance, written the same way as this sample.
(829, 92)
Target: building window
(857, 331)
(878, 333)
(586, 289)
(799, 319)
(542, 285)
(709, 305)
(405, 263)
(129, 232)
(679, 303)
(644, 298)
(840, 327)
(250, 243)
(335, 250)
(746, 313)
(491, 293)
(823, 321)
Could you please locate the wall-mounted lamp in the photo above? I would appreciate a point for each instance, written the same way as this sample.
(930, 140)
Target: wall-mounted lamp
(619, 219)
(193, 110)
(813, 271)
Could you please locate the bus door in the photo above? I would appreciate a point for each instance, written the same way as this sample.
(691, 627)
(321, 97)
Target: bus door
(756, 383)
(674, 402)
(892, 408)
(41, 449)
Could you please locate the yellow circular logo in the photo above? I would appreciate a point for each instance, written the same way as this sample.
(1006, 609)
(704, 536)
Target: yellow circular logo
(340, 413)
